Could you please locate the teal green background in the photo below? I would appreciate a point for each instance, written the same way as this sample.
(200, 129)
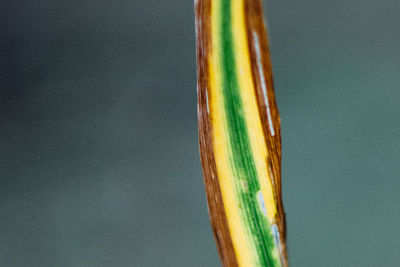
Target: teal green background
(99, 161)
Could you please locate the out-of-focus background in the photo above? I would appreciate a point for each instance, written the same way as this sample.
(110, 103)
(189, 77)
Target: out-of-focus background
(99, 162)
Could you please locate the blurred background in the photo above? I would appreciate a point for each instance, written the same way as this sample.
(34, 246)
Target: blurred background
(99, 163)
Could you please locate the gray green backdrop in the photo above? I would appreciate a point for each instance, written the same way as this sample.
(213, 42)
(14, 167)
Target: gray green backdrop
(99, 162)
